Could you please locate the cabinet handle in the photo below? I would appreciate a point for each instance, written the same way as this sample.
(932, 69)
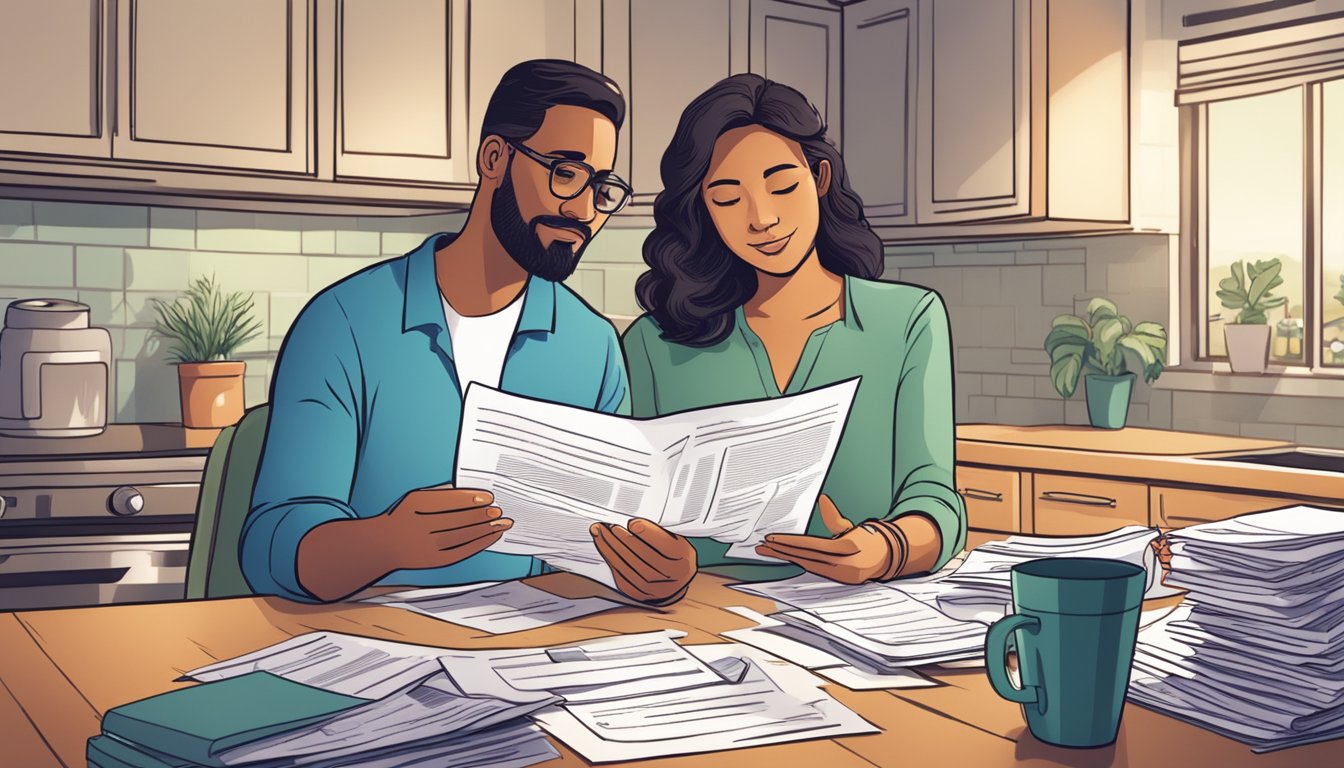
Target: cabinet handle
(976, 493)
(1087, 500)
(1184, 519)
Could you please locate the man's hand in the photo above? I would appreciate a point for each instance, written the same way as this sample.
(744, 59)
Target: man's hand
(853, 556)
(428, 528)
(649, 563)
(434, 527)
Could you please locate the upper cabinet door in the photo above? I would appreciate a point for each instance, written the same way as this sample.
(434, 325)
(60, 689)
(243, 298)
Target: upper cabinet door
(666, 54)
(881, 48)
(220, 83)
(401, 90)
(975, 132)
(52, 77)
(506, 32)
(799, 46)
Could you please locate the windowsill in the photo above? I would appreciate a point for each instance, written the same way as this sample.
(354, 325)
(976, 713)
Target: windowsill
(1277, 380)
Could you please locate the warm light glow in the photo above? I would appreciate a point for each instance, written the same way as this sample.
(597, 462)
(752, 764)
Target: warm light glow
(1332, 223)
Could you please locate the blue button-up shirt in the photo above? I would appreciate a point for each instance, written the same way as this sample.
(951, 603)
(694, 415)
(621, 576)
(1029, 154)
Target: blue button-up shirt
(366, 406)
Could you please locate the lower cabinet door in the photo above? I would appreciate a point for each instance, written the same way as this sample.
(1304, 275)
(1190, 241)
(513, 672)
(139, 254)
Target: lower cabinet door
(1067, 505)
(1179, 507)
(993, 501)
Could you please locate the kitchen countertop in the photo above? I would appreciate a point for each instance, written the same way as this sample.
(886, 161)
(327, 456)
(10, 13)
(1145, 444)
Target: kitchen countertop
(117, 439)
(1156, 455)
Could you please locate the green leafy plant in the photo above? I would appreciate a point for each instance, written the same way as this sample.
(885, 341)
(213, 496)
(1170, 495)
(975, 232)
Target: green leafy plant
(1097, 344)
(1340, 296)
(206, 323)
(1250, 291)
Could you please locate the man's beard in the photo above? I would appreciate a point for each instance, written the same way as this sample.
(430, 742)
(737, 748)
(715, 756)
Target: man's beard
(520, 239)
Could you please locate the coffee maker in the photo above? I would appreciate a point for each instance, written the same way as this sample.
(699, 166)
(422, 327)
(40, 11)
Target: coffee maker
(54, 370)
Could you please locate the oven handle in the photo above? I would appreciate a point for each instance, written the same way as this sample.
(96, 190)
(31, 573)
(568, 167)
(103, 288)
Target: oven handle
(61, 578)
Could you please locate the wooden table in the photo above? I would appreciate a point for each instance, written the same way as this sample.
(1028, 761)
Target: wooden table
(61, 669)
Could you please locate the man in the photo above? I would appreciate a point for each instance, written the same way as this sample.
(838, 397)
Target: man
(367, 399)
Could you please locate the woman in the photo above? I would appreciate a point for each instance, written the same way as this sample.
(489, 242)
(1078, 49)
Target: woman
(761, 283)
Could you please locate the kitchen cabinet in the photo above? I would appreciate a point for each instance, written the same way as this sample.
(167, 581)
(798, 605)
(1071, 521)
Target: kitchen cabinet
(216, 83)
(1179, 507)
(400, 95)
(973, 108)
(879, 90)
(666, 54)
(52, 78)
(998, 112)
(799, 46)
(505, 33)
(993, 498)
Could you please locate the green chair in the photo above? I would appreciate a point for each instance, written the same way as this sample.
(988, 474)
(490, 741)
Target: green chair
(226, 495)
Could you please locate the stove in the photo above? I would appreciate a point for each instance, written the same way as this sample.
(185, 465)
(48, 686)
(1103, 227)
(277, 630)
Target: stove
(105, 521)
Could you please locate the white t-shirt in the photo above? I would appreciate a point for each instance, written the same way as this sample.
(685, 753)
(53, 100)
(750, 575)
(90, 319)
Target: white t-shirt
(480, 343)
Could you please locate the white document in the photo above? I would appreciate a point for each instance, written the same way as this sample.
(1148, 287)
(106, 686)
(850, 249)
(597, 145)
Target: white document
(429, 711)
(348, 664)
(497, 608)
(774, 702)
(990, 564)
(733, 473)
(854, 674)
(885, 626)
(595, 670)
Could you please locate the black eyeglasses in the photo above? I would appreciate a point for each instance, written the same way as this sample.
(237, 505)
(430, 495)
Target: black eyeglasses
(569, 179)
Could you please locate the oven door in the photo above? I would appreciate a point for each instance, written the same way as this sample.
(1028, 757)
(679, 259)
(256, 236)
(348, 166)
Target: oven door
(65, 571)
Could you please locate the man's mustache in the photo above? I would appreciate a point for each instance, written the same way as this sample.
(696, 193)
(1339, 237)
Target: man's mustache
(560, 222)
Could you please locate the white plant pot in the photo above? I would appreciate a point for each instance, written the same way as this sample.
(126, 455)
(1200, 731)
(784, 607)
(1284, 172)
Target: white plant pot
(1247, 346)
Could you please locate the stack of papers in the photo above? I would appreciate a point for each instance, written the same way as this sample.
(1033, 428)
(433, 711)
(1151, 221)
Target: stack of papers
(987, 571)
(412, 713)
(1256, 651)
(875, 627)
(870, 635)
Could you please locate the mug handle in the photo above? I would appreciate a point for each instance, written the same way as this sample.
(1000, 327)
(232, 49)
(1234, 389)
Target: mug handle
(996, 657)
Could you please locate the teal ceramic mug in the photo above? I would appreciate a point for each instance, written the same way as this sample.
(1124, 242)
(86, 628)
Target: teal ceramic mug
(1075, 621)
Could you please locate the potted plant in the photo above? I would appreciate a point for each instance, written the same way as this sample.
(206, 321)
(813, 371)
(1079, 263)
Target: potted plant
(207, 326)
(1097, 345)
(1248, 336)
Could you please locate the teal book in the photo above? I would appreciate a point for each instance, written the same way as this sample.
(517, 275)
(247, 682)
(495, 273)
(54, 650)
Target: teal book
(195, 724)
(111, 752)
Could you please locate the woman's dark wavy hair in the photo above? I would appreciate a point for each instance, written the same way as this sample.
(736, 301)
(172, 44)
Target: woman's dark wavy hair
(695, 283)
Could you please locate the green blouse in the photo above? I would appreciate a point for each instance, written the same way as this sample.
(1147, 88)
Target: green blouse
(896, 455)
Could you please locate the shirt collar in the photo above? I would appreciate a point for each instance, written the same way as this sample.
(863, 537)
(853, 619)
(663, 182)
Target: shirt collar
(424, 302)
(852, 321)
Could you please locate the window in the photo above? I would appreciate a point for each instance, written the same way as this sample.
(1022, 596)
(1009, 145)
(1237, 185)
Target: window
(1263, 115)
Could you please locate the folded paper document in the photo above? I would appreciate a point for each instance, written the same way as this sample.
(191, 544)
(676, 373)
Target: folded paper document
(732, 472)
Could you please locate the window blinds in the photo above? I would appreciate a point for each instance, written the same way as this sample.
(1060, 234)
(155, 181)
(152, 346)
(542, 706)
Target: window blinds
(1233, 66)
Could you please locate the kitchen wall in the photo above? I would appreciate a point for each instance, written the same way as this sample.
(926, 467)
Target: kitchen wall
(116, 258)
(1001, 298)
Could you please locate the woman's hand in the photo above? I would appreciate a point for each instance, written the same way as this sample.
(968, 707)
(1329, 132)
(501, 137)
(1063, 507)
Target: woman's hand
(853, 556)
(649, 563)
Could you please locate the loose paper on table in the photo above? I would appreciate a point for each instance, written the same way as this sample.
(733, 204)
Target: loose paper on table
(494, 607)
(732, 472)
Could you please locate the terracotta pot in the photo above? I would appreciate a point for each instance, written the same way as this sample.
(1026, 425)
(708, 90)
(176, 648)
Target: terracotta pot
(1247, 346)
(212, 393)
